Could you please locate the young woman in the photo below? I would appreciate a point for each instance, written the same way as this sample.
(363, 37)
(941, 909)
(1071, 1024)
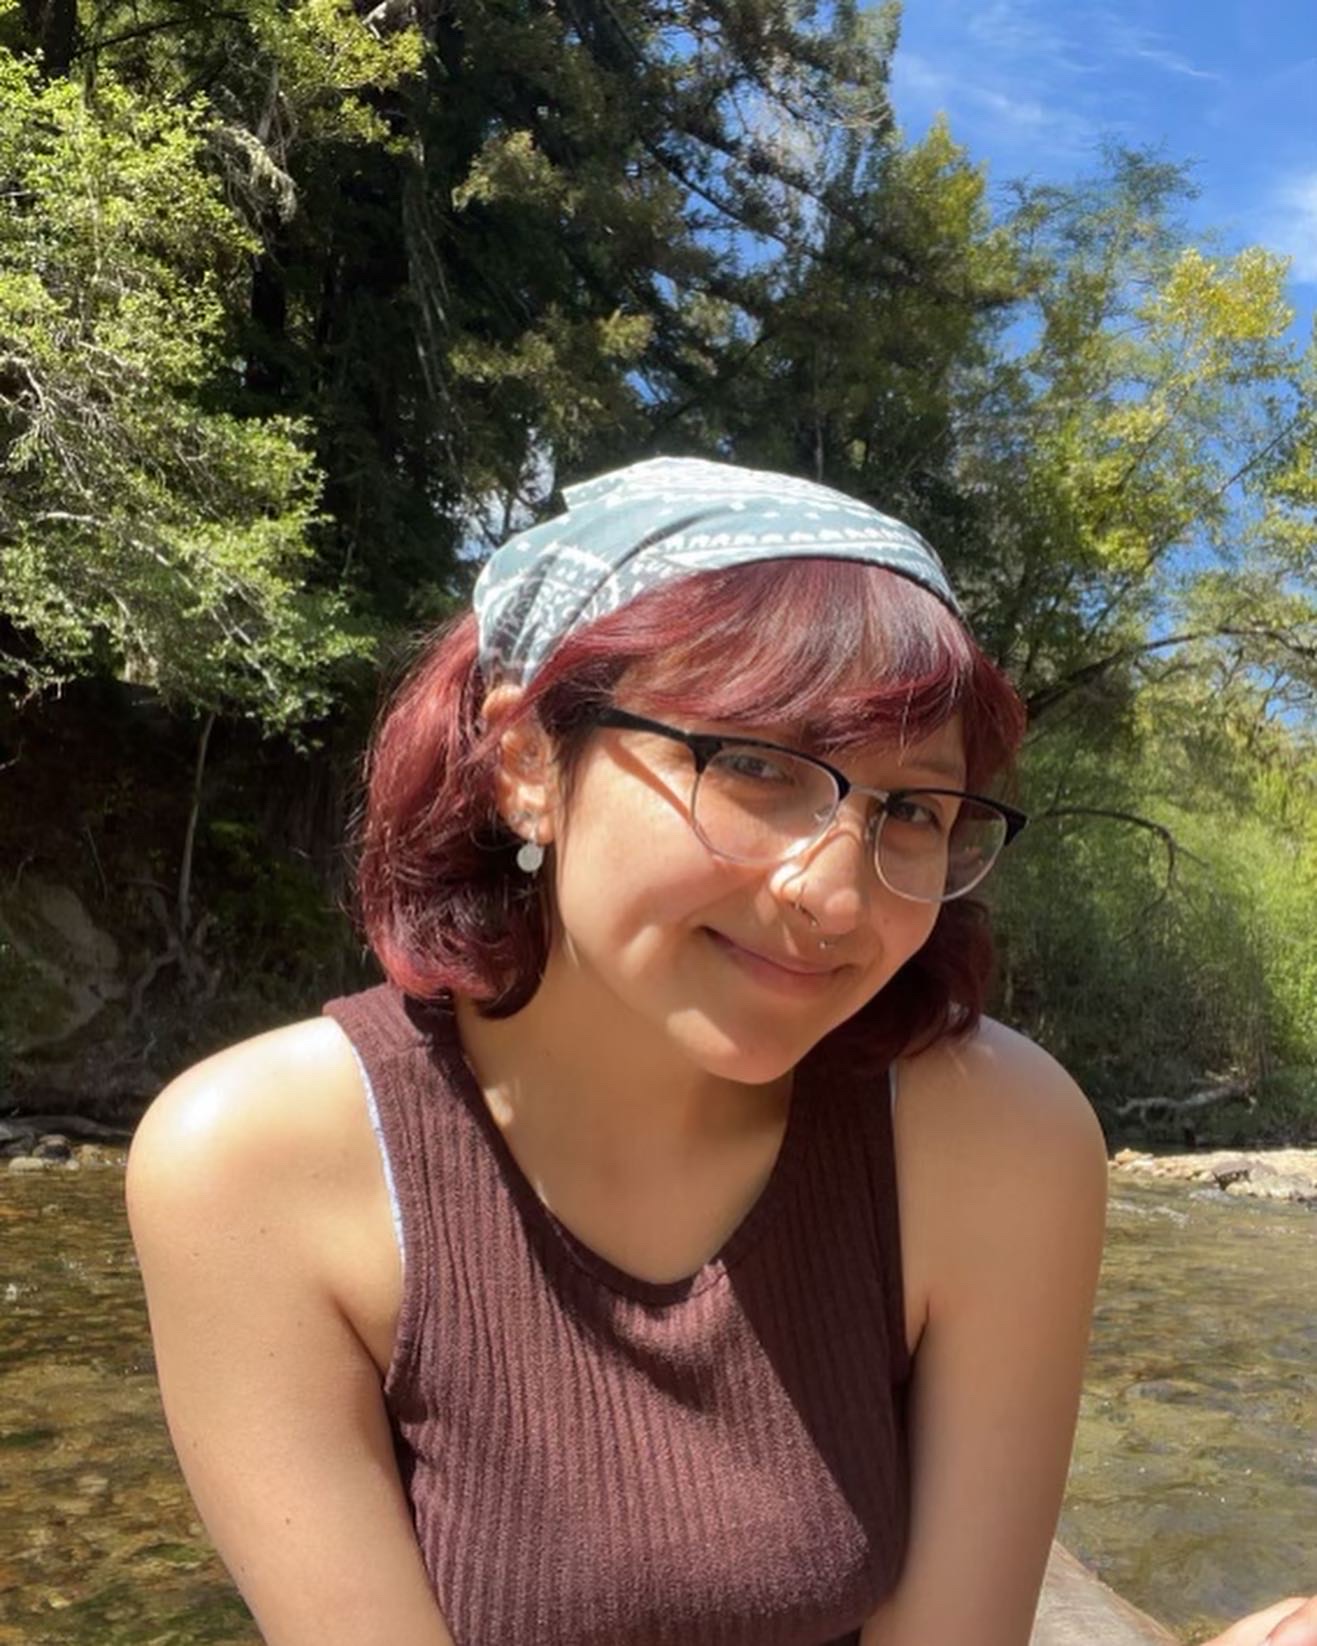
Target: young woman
(669, 1254)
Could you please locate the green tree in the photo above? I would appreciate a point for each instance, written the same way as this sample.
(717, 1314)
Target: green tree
(142, 530)
(300, 303)
(1129, 458)
(562, 235)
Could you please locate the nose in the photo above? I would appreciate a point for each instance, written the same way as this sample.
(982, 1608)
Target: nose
(834, 876)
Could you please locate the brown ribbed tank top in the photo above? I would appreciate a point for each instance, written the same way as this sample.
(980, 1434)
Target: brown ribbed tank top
(598, 1460)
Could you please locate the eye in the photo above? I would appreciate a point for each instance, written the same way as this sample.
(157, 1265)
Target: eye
(758, 766)
(926, 812)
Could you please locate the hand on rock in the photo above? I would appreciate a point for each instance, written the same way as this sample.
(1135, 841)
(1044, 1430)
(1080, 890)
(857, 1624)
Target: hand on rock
(1291, 1622)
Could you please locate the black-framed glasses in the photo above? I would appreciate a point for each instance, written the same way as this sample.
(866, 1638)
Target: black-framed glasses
(757, 802)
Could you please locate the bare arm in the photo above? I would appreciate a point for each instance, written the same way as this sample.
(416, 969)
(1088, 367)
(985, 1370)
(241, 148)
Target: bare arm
(243, 1180)
(1003, 1196)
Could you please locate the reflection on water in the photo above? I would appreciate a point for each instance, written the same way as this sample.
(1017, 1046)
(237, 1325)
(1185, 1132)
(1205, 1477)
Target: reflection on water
(101, 1540)
(1194, 1484)
(1194, 1487)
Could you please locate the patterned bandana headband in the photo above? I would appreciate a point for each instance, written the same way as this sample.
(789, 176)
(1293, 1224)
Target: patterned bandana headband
(636, 528)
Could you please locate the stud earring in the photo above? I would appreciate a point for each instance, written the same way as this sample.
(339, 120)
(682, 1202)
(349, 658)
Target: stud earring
(530, 854)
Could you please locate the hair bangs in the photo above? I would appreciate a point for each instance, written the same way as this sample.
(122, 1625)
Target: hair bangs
(841, 652)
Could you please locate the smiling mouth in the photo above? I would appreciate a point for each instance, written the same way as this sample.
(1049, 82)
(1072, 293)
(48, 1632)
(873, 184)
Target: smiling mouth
(784, 967)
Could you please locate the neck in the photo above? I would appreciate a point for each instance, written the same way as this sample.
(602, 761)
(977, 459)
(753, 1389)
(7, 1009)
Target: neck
(603, 1081)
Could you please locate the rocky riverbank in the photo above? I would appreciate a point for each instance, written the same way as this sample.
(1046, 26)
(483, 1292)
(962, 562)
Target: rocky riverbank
(40, 1143)
(1249, 1174)
(1288, 1175)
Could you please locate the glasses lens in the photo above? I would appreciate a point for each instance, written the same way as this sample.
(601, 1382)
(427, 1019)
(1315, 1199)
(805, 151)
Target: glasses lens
(754, 805)
(935, 846)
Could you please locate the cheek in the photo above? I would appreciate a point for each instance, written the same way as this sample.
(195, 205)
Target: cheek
(923, 919)
(911, 927)
(628, 863)
(903, 929)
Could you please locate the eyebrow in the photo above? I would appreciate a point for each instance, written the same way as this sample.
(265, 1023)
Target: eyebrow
(956, 776)
(796, 739)
(953, 772)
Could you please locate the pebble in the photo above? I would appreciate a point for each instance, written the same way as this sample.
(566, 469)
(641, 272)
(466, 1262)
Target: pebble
(93, 1154)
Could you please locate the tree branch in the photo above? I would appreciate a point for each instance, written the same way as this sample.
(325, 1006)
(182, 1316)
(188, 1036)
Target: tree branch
(1042, 702)
(158, 27)
(1174, 850)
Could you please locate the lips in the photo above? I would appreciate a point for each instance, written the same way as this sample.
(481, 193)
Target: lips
(785, 966)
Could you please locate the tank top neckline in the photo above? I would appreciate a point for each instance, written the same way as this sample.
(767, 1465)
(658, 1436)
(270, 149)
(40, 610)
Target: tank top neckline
(652, 1293)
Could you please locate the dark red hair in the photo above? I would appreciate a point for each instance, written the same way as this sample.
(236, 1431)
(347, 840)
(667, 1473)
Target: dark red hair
(845, 654)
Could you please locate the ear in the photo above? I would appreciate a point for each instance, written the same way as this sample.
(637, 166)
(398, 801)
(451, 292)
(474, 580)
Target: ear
(526, 781)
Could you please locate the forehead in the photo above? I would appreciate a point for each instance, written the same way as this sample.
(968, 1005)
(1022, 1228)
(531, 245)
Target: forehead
(934, 756)
(940, 752)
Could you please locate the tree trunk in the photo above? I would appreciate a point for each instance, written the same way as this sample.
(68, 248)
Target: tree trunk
(190, 838)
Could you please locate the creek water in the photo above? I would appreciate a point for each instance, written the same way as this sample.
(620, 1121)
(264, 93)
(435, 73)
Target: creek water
(1193, 1490)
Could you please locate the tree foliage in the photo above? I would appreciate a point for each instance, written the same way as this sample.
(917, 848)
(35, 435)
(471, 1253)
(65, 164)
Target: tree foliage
(303, 304)
(140, 527)
(1127, 453)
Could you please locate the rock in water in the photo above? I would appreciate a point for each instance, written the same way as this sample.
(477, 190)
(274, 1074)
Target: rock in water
(1078, 1609)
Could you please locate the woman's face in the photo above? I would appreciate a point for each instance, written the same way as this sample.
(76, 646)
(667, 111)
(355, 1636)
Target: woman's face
(720, 959)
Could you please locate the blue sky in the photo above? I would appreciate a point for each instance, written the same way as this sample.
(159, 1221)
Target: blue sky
(1031, 87)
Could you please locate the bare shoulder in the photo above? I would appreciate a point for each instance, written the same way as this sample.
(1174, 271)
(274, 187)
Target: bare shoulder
(261, 1221)
(263, 1156)
(272, 1132)
(264, 1100)
(996, 1146)
(1002, 1176)
(996, 1085)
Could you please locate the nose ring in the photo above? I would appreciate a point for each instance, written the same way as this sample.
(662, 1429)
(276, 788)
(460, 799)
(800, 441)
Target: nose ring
(823, 942)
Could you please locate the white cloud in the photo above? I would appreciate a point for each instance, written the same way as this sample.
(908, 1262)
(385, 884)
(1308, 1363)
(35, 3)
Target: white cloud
(1126, 39)
(937, 89)
(1040, 84)
(1022, 112)
(1014, 76)
(986, 99)
(1172, 61)
(1013, 28)
(1290, 223)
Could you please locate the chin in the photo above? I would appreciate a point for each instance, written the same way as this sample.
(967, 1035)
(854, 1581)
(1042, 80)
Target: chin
(749, 1062)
